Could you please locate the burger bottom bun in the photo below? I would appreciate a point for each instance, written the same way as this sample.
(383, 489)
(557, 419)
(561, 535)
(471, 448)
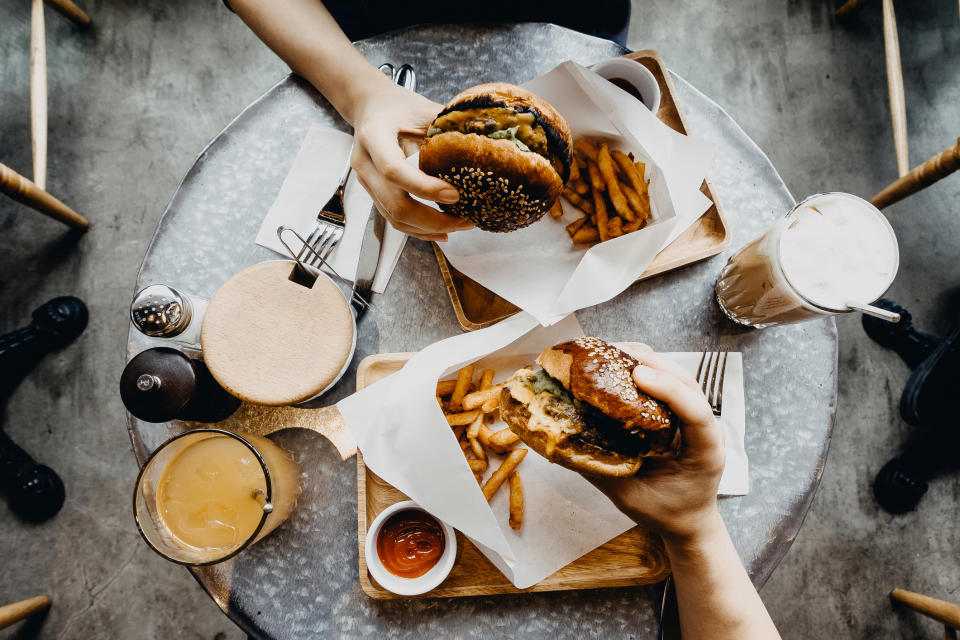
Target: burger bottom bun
(502, 188)
(570, 452)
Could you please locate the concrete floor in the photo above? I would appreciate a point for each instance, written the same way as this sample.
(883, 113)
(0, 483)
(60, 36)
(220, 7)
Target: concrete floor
(133, 101)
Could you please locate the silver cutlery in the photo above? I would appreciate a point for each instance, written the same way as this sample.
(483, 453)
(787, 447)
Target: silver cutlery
(710, 376)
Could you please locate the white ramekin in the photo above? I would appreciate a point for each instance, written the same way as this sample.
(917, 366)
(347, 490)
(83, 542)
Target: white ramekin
(409, 586)
(634, 73)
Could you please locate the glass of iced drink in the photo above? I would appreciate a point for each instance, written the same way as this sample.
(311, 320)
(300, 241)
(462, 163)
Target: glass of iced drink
(207, 494)
(833, 251)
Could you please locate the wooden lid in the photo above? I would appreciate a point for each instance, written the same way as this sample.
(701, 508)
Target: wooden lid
(269, 340)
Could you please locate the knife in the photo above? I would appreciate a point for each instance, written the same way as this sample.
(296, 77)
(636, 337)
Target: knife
(367, 265)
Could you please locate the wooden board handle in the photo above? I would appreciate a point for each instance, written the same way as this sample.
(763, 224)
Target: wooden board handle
(262, 420)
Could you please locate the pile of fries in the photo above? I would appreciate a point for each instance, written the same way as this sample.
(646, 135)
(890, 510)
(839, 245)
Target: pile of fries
(469, 408)
(610, 189)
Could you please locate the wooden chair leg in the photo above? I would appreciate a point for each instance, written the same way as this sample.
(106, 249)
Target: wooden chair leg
(17, 611)
(71, 11)
(38, 94)
(937, 167)
(849, 7)
(22, 190)
(898, 104)
(942, 611)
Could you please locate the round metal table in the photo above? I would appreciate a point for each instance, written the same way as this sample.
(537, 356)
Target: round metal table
(301, 581)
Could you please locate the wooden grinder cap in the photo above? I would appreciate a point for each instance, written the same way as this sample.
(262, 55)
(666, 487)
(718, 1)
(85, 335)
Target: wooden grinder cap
(268, 340)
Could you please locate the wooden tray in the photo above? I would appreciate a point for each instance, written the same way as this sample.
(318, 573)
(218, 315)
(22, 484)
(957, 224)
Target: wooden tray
(478, 307)
(635, 557)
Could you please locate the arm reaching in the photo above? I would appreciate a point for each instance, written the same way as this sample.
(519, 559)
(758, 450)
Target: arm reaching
(387, 119)
(678, 499)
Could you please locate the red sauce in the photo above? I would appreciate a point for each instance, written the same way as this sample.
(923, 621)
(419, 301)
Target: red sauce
(626, 86)
(410, 543)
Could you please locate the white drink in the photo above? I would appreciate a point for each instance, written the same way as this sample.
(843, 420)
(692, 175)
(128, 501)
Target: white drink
(831, 250)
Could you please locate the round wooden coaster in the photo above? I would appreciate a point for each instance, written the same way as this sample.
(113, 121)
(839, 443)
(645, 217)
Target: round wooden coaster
(268, 340)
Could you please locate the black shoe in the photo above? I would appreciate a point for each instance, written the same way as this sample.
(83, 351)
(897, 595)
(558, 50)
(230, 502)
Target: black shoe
(930, 395)
(896, 489)
(911, 345)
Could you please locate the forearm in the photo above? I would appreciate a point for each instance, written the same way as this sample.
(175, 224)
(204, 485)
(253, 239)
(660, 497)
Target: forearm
(308, 39)
(715, 597)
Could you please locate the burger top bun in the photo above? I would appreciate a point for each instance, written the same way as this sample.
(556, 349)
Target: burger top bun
(600, 374)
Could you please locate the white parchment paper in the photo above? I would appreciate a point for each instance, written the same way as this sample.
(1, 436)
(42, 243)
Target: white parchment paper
(538, 268)
(405, 439)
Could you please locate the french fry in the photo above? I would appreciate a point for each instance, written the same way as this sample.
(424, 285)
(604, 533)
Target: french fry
(503, 472)
(629, 171)
(600, 206)
(641, 170)
(584, 205)
(486, 379)
(474, 430)
(579, 161)
(458, 431)
(464, 446)
(574, 171)
(630, 227)
(479, 477)
(617, 199)
(516, 501)
(478, 450)
(484, 437)
(587, 148)
(579, 186)
(446, 387)
(556, 210)
(596, 178)
(464, 378)
(504, 438)
(491, 405)
(478, 465)
(576, 224)
(586, 234)
(462, 419)
(477, 398)
(615, 227)
(635, 202)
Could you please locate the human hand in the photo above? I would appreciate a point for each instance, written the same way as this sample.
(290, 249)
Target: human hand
(677, 498)
(388, 124)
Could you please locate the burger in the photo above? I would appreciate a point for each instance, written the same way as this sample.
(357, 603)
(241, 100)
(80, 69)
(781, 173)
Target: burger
(506, 151)
(583, 411)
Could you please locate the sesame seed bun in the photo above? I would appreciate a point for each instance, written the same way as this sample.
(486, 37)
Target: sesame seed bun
(502, 187)
(610, 432)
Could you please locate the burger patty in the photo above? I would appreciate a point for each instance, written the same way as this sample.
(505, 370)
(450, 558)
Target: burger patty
(554, 409)
(496, 122)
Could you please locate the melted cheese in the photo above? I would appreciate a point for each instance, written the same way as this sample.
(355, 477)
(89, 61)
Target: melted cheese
(485, 121)
(548, 414)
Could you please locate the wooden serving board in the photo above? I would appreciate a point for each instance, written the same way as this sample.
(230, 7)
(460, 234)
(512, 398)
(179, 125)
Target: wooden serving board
(478, 307)
(635, 557)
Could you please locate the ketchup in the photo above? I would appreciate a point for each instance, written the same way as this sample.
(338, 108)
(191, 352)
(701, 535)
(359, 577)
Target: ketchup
(410, 543)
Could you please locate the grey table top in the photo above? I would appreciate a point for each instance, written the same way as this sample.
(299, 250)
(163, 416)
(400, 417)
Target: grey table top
(301, 581)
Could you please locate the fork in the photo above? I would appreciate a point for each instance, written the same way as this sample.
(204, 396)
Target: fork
(710, 375)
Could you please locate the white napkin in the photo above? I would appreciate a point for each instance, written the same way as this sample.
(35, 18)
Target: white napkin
(567, 277)
(317, 169)
(405, 440)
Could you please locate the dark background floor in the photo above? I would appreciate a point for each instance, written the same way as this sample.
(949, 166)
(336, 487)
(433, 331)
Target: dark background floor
(134, 100)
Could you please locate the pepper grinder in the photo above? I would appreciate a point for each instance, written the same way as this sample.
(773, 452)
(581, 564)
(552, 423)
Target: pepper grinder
(162, 384)
(160, 311)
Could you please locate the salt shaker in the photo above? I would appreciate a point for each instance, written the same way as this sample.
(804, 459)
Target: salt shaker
(160, 311)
